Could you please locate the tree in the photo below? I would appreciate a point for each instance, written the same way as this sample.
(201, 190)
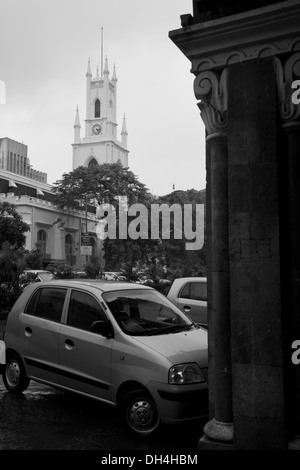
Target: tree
(12, 227)
(12, 239)
(98, 184)
(179, 261)
(34, 258)
(106, 183)
(12, 263)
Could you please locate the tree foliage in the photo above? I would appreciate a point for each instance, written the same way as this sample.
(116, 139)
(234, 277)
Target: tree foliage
(12, 263)
(34, 258)
(105, 183)
(99, 184)
(180, 262)
(12, 227)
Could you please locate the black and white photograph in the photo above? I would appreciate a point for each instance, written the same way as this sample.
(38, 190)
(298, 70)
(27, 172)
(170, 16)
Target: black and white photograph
(149, 229)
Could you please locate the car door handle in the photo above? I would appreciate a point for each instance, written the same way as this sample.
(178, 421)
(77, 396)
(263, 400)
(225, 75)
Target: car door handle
(28, 331)
(68, 345)
(187, 307)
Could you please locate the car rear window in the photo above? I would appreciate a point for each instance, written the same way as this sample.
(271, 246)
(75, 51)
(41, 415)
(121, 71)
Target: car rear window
(194, 291)
(47, 303)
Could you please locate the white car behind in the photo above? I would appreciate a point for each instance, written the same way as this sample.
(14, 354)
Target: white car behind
(189, 294)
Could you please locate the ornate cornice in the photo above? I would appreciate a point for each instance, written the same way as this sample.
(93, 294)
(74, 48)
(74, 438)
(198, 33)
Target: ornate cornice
(287, 71)
(263, 32)
(211, 89)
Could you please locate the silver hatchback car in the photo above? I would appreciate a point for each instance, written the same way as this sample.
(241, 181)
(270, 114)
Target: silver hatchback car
(189, 294)
(121, 343)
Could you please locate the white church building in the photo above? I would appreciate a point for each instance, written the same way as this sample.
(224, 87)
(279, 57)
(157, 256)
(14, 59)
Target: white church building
(100, 142)
(58, 232)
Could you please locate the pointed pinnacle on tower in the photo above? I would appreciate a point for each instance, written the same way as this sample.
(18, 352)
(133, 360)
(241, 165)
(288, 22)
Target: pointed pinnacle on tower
(88, 72)
(77, 121)
(114, 75)
(124, 128)
(106, 66)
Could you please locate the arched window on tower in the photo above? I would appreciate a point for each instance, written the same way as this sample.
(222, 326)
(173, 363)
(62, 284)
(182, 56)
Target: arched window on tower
(97, 108)
(93, 162)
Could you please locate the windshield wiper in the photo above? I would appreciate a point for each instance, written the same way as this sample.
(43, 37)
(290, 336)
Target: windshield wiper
(166, 330)
(176, 328)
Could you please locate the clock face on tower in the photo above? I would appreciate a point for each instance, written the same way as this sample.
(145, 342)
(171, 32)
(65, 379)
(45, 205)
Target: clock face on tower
(96, 129)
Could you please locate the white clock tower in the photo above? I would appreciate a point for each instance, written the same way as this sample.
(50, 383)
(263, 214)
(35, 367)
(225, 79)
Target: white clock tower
(100, 143)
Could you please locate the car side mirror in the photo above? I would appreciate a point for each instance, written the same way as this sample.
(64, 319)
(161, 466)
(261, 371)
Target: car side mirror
(103, 328)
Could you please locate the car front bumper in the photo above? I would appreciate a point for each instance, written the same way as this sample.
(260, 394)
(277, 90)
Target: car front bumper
(180, 402)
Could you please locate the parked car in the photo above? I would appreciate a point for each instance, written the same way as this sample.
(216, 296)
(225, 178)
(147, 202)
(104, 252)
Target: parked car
(121, 343)
(41, 274)
(109, 276)
(145, 280)
(189, 294)
(79, 274)
(34, 275)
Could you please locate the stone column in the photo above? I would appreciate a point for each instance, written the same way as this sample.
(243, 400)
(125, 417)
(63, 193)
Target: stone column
(210, 88)
(245, 39)
(286, 72)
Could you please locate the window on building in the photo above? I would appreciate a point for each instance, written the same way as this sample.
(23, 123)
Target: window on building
(69, 249)
(42, 240)
(97, 108)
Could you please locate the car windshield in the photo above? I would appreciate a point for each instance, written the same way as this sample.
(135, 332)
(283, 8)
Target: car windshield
(46, 276)
(145, 313)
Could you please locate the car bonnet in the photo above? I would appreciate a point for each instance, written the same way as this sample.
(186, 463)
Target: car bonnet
(185, 346)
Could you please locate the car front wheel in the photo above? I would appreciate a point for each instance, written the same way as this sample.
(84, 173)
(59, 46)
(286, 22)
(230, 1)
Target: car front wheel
(14, 377)
(139, 412)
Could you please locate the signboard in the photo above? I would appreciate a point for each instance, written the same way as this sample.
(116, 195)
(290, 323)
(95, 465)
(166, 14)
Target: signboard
(86, 250)
(86, 244)
(86, 239)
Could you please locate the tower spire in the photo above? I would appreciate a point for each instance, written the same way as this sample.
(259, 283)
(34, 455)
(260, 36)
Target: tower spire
(77, 122)
(114, 75)
(101, 52)
(88, 72)
(106, 66)
(124, 128)
(124, 133)
(77, 127)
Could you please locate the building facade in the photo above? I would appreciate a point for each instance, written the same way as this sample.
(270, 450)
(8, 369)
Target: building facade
(57, 232)
(13, 157)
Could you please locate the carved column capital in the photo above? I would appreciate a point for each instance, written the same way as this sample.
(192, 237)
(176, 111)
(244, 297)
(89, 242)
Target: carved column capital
(211, 89)
(287, 71)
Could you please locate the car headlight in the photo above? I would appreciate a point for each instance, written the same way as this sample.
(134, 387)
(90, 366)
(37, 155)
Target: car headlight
(185, 373)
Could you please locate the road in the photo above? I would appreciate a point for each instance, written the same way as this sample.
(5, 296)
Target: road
(43, 418)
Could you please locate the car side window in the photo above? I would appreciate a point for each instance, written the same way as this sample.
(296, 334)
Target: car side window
(84, 310)
(47, 303)
(185, 292)
(198, 291)
(194, 291)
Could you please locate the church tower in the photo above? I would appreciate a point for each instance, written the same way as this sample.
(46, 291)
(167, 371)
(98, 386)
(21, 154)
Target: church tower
(100, 143)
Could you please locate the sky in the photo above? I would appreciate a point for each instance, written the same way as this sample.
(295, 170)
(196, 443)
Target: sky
(44, 50)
